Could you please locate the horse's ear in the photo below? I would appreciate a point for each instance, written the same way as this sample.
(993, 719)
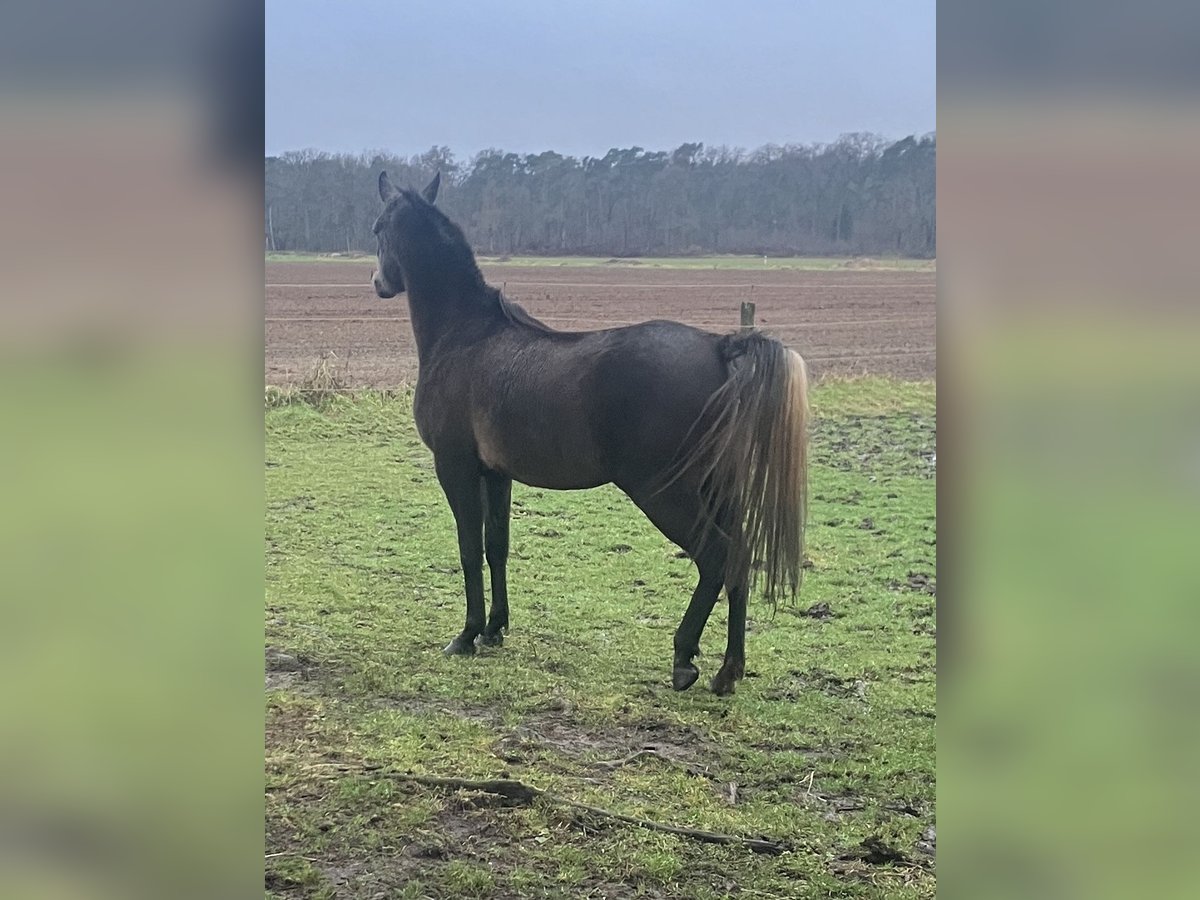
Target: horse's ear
(386, 191)
(430, 192)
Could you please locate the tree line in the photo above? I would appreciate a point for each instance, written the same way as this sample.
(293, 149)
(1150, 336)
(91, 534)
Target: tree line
(861, 195)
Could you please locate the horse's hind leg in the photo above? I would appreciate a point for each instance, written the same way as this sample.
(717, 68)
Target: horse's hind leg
(687, 637)
(734, 666)
(677, 513)
(497, 503)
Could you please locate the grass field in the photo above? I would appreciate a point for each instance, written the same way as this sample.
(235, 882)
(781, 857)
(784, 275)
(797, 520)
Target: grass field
(806, 263)
(828, 746)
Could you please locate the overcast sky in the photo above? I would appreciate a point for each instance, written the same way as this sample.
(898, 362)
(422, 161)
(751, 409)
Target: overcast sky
(582, 77)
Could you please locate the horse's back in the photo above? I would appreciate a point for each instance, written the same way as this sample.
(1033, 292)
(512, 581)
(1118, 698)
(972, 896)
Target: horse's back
(651, 385)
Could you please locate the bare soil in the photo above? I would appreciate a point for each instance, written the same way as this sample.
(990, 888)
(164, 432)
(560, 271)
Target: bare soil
(844, 322)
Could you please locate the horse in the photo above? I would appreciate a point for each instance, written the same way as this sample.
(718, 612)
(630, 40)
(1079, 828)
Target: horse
(706, 433)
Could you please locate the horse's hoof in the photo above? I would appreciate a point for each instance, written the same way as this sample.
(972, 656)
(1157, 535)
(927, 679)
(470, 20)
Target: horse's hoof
(683, 677)
(459, 647)
(492, 640)
(723, 682)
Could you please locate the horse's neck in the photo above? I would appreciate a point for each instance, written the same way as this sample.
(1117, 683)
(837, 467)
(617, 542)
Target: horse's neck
(446, 293)
(437, 315)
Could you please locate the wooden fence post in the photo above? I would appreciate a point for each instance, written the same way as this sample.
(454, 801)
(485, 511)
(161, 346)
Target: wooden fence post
(747, 316)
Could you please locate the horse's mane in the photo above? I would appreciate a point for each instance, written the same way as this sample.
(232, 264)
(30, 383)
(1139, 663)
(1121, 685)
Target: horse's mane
(514, 312)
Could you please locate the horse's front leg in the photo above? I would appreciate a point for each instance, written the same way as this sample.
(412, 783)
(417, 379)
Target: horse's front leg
(462, 483)
(497, 503)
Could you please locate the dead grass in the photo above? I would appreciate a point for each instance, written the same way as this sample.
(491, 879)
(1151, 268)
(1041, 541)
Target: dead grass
(328, 379)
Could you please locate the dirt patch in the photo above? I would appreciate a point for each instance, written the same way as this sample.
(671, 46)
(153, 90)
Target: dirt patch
(921, 582)
(608, 747)
(850, 321)
(878, 446)
(875, 851)
(358, 874)
(286, 669)
(927, 843)
(879, 863)
(834, 807)
(380, 875)
(557, 729)
(417, 706)
(791, 742)
(819, 611)
(799, 683)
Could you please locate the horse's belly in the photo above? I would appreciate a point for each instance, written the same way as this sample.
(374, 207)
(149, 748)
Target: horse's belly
(564, 482)
(544, 464)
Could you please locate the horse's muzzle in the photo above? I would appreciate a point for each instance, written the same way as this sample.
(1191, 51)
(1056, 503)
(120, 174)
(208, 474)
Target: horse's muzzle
(382, 288)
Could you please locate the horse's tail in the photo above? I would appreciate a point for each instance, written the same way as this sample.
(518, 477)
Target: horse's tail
(753, 458)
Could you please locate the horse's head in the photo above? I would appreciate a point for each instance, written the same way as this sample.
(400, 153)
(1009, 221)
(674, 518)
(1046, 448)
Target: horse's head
(397, 206)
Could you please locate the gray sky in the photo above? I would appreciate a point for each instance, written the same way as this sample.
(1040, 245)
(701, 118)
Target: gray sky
(582, 77)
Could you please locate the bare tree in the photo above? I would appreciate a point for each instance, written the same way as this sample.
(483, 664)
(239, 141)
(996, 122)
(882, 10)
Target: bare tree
(858, 195)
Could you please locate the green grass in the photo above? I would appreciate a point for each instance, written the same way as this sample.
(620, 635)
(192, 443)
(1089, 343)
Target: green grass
(288, 256)
(805, 263)
(830, 739)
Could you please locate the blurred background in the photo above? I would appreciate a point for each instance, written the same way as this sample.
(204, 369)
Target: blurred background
(130, 464)
(1069, 386)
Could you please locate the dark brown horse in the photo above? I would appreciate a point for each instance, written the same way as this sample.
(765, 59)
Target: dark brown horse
(705, 433)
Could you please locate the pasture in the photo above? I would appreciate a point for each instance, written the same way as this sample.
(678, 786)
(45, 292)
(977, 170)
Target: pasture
(826, 750)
